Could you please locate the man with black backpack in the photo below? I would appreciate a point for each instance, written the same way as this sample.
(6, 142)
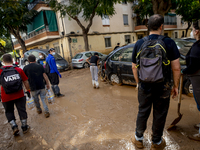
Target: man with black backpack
(53, 73)
(153, 59)
(12, 93)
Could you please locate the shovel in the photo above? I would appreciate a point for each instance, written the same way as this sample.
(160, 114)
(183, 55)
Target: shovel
(173, 124)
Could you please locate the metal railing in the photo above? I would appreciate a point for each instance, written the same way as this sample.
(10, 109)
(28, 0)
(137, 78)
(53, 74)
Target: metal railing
(32, 34)
(34, 3)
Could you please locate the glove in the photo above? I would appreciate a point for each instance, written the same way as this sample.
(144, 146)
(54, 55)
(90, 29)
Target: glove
(28, 93)
(60, 75)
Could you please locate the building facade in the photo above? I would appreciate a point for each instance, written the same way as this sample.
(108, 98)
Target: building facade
(50, 30)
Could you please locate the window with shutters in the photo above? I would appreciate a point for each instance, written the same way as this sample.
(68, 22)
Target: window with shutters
(107, 42)
(57, 47)
(125, 18)
(105, 20)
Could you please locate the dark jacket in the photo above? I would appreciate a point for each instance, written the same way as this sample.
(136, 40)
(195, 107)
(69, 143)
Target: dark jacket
(193, 59)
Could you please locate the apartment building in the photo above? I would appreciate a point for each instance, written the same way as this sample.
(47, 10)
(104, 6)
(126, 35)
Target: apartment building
(50, 30)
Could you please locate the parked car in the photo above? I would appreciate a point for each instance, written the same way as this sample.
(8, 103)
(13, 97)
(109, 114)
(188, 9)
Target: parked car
(61, 63)
(118, 66)
(189, 39)
(79, 60)
(184, 46)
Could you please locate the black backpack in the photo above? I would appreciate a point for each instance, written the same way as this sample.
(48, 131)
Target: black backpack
(47, 68)
(152, 61)
(11, 80)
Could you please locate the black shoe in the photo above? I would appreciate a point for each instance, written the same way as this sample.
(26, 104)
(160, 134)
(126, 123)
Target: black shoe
(39, 110)
(25, 128)
(60, 95)
(46, 114)
(15, 130)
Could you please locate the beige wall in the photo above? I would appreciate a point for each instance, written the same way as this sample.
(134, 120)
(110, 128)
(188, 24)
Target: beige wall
(116, 22)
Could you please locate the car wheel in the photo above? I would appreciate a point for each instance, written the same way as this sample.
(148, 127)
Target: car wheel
(188, 88)
(115, 79)
(86, 65)
(26, 62)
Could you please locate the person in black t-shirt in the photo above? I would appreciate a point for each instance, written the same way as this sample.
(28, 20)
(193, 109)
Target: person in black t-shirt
(155, 94)
(117, 46)
(36, 76)
(94, 60)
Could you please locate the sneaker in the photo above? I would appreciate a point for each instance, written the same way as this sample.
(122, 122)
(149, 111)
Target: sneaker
(15, 130)
(60, 95)
(197, 126)
(161, 146)
(39, 110)
(25, 128)
(47, 114)
(138, 144)
(195, 137)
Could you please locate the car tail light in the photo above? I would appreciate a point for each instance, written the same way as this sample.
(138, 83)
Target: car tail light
(80, 60)
(105, 65)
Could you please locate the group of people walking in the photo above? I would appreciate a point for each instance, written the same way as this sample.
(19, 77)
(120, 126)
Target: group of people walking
(35, 77)
(153, 59)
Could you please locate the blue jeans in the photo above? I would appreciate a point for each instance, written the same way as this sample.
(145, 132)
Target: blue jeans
(198, 107)
(42, 94)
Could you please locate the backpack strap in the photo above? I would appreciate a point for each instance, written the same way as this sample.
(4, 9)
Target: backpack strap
(161, 37)
(145, 38)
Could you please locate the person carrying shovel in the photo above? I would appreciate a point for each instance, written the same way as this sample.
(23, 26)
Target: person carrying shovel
(153, 59)
(193, 71)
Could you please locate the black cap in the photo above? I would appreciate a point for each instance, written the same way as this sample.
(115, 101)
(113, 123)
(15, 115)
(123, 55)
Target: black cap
(51, 49)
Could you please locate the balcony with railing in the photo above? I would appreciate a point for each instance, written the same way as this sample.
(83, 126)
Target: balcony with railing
(42, 29)
(170, 22)
(33, 3)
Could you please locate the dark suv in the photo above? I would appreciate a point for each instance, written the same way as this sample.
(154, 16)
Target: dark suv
(61, 63)
(118, 65)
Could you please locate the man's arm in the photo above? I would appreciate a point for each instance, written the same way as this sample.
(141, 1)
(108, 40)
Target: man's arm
(176, 69)
(134, 69)
(88, 60)
(46, 79)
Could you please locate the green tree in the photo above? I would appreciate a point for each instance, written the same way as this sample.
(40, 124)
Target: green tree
(85, 9)
(7, 47)
(14, 18)
(189, 10)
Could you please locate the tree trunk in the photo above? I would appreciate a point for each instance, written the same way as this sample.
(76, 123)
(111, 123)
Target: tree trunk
(189, 25)
(161, 6)
(85, 37)
(22, 44)
(17, 36)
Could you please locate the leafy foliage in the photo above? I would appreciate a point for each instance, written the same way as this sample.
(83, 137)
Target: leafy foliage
(14, 18)
(85, 9)
(7, 47)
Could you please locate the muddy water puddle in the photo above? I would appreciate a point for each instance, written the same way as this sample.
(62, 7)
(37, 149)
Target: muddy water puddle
(95, 119)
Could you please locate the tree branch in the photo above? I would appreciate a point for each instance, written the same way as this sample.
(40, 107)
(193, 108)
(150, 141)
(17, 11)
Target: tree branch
(92, 16)
(77, 20)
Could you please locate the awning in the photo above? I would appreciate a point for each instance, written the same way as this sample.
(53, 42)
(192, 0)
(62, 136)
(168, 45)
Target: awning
(37, 24)
(51, 20)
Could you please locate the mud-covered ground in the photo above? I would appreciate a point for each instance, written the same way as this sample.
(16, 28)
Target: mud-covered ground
(96, 119)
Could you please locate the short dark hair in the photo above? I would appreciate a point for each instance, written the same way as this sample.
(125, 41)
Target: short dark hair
(95, 53)
(31, 58)
(118, 43)
(42, 54)
(51, 49)
(7, 58)
(155, 22)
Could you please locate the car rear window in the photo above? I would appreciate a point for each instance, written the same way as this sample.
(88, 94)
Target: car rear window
(78, 56)
(88, 54)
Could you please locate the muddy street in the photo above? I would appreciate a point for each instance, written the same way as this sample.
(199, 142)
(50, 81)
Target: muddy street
(96, 119)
